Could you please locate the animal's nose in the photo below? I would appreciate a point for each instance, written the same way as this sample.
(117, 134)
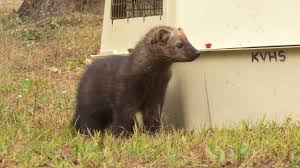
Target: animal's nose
(198, 52)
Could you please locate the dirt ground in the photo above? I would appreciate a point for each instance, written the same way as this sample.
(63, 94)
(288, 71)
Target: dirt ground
(7, 6)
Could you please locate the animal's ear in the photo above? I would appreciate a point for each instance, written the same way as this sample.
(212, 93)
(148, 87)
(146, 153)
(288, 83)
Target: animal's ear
(180, 29)
(130, 50)
(162, 36)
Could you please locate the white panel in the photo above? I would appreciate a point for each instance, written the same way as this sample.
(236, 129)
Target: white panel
(238, 87)
(240, 23)
(186, 104)
(122, 34)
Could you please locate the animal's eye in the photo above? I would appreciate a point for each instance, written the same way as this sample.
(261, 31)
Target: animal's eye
(179, 45)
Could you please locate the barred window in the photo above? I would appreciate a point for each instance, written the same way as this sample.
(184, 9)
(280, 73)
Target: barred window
(121, 9)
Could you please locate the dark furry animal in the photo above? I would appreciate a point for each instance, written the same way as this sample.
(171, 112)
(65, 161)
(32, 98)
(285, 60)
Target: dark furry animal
(115, 87)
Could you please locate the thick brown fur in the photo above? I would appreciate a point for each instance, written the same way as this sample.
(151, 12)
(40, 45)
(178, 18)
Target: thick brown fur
(115, 87)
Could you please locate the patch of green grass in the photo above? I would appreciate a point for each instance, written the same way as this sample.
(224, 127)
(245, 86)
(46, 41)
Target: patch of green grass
(12, 21)
(265, 144)
(37, 133)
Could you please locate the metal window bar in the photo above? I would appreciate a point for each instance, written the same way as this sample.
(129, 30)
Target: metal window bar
(121, 9)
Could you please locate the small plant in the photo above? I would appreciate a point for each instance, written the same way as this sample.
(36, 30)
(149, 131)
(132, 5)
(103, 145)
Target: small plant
(2, 147)
(25, 84)
(12, 21)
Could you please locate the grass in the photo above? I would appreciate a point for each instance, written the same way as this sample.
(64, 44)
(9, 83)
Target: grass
(40, 65)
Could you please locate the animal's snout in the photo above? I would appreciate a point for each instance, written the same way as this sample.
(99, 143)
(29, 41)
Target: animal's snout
(198, 53)
(194, 54)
